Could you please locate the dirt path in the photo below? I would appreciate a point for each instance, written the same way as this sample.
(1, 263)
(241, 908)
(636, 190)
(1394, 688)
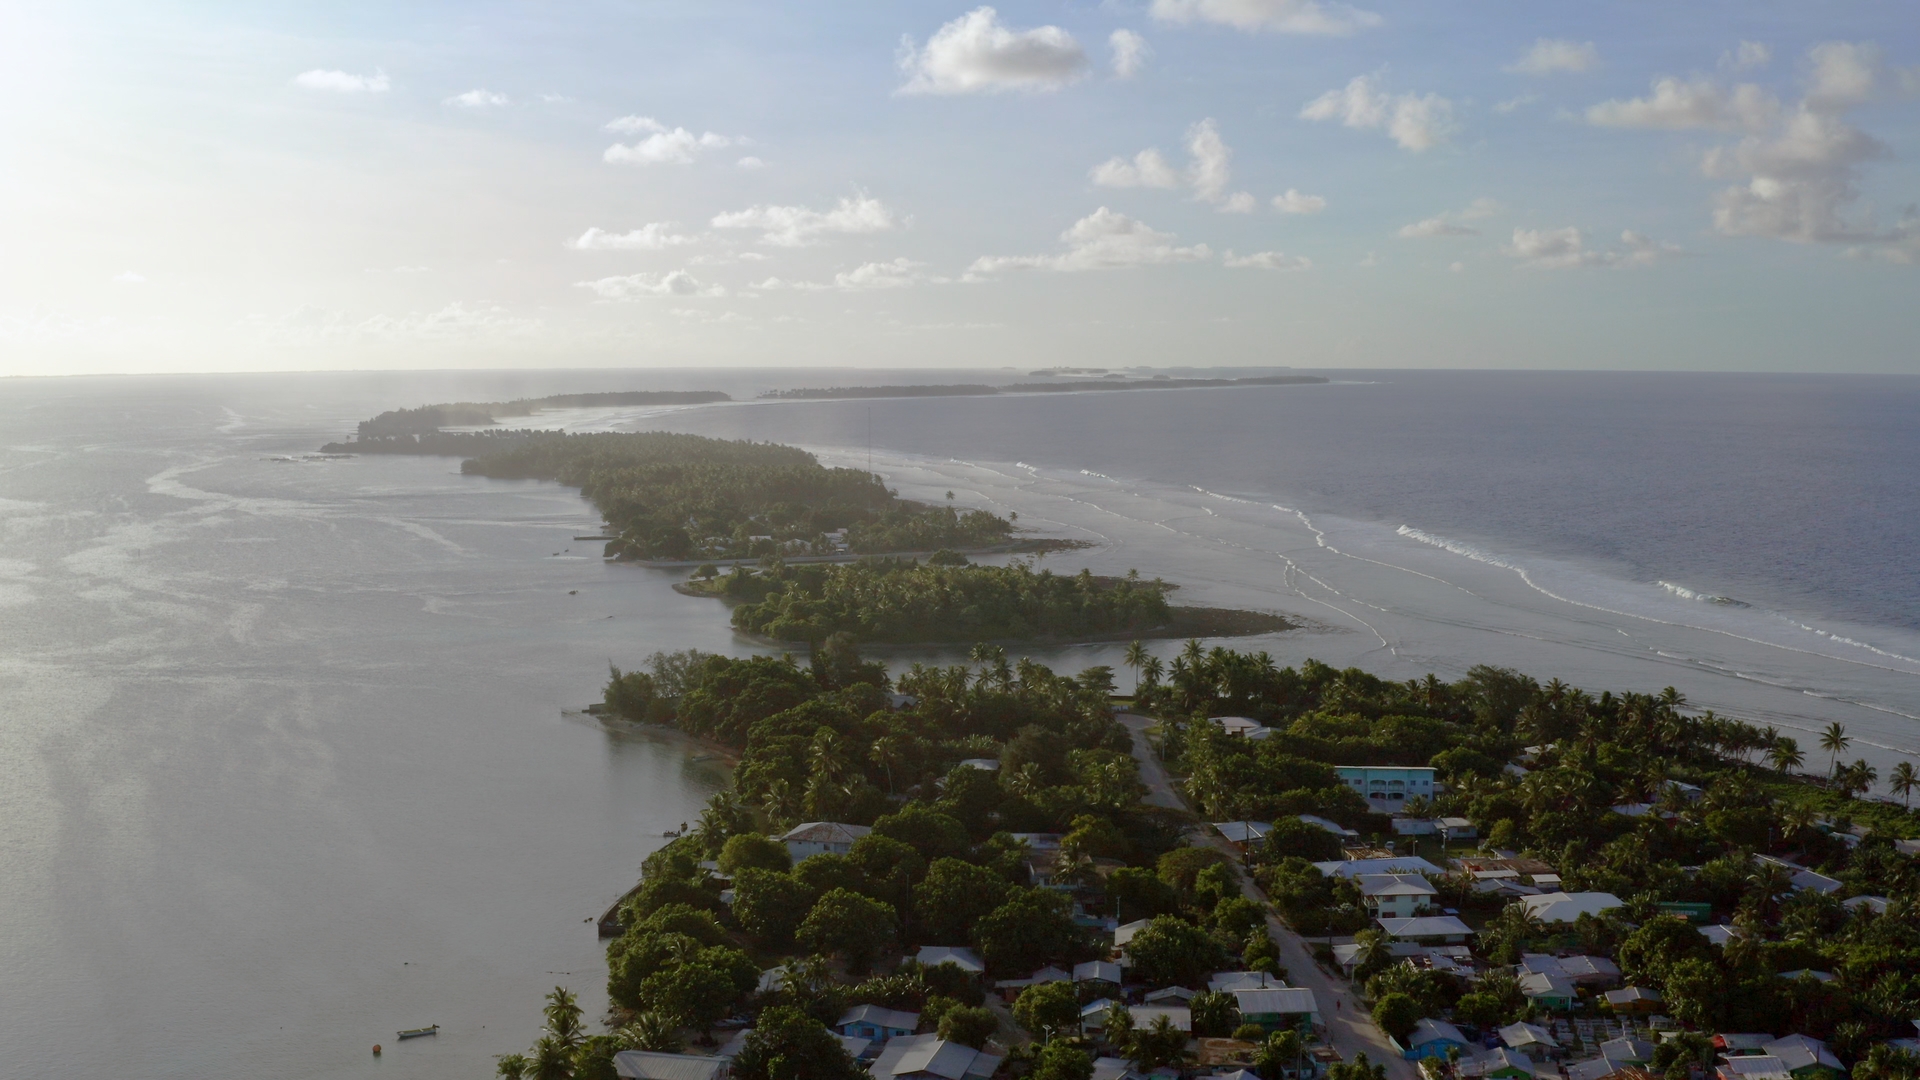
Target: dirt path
(1348, 1027)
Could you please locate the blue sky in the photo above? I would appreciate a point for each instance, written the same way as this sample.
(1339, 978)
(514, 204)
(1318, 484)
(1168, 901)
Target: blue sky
(1136, 182)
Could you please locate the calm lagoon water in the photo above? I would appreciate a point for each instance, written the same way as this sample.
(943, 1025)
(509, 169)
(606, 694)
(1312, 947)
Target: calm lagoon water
(286, 761)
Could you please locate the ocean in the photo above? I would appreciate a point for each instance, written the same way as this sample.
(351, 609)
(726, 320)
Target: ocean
(290, 754)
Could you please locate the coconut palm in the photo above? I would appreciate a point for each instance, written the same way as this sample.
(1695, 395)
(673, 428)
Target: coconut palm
(1152, 670)
(1785, 755)
(1858, 778)
(512, 1066)
(1903, 781)
(563, 1018)
(1136, 658)
(1834, 741)
(651, 1031)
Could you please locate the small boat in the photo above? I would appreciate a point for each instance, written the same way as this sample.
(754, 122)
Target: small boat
(414, 1033)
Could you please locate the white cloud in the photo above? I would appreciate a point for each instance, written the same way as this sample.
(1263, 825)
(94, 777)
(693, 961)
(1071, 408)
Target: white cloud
(750, 162)
(341, 82)
(1281, 16)
(1103, 240)
(1746, 56)
(1416, 123)
(640, 286)
(897, 274)
(1456, 268)
(792, 226)
(1700, 104)
(1549, 55)
(130, 277)
(975, 53)
(1209, 170)
(1515, 103)
(1800, 166)
(677, 146)
(556, 99)
(1562, 249)
(1147, 169)
(477, 99)
(1266, 260)
(1130, 52)
(1293, 202)
(1433, 227)
(1447, 223)
(653, 236)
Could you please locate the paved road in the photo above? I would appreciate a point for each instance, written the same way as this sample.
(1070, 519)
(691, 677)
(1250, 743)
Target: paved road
(1348, 1027)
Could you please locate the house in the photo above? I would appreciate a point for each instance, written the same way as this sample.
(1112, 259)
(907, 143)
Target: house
(1428, 930)
(1627, 1051)
(1333, 827)
(1113, 1068)
(1547, 882)
(1806, 1058)
(821, 838)
(1011, 988)
(1229, 981)
(1720, 934)
(1434, 1039)
(1176, 995)
(1395, 896)
(874, 1022)
(1753, 1067)
(652, 1065)
(1875, 904)
(1457, 828)
(1907, 847)
(984, 764)
(1633, 999)
(1605, 1068)
(1802, 878)
(1536, 1042)
(1049, 870)
(929, 1057)
(1410, 826)
(1237, 725)
(1740, 1044)
(965, 959)
(1093, 1015)
(1554, 993)
(1591, 971)
(1144, 1016)
(859, 1047)
(1242, 833)
(1097, 971)
(1125, 931)
(1402, 864)
(1562, 907)
(1387, 786)
(1277, 1007)
(1499, 1063)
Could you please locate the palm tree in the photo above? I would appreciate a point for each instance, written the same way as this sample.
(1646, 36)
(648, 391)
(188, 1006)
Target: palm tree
(512, 1066)
(1903, 781)
(551, 1060)
(563, 1018)
(651, 1031)
(1152, 670)
(1785, 755)
(1835, 742)
(1858, 777)
(1136, 658)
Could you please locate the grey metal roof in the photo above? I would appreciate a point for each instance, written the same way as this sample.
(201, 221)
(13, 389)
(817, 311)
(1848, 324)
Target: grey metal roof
(648, 1065)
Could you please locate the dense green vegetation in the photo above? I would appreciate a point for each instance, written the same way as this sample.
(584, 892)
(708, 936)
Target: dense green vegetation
(677, 496)
(1591, 754)
(945, 600)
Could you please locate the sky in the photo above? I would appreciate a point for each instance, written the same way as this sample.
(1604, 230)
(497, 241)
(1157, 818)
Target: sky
(1715, 185)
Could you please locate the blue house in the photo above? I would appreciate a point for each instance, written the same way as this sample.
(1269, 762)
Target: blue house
(1386, 787)
(1432, 1039)
(874, 1022)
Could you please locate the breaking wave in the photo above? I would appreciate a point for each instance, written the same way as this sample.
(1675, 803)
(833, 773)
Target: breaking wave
(1685, 593)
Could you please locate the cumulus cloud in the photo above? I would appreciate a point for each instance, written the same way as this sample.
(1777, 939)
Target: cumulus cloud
(1130, 52)
(341, 82)
(663, 145)
(1562, 249)
(641, 286)
(1279, 16)
(1746, 56)
(1679, 105)
(1799, 166)
(1209, 170)
(1416, 123)
(653, 236)
(477, 99)
(793, 226)
(897, 274)
(1103, 240)
(1515, 103)
(750, 162)
(1266, 260)
(1147, 169)
(1549, 55)
(1293, 202)
(976, 53)
(1448, 223)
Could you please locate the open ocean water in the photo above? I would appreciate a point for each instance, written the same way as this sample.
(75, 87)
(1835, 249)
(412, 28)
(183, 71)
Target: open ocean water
(284, 761)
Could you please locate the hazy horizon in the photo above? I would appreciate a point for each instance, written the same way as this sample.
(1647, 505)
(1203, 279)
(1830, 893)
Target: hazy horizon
(1211, 183)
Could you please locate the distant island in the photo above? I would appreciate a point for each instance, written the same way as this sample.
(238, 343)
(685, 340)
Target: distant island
(431, 418)
(1158, 382)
